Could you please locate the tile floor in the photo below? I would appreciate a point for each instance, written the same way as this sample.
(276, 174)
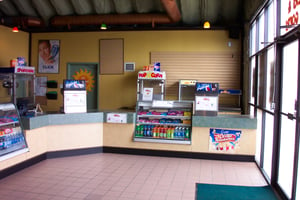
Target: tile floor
(123, 177)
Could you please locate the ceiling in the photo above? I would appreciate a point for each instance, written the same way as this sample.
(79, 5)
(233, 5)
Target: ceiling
(88, 15)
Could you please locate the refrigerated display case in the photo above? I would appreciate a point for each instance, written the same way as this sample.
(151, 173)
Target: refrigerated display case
(164, 122)
(12, 140)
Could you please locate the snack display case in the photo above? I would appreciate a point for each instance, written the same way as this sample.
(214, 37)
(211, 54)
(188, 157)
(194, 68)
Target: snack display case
(12, 140)
(164, 121)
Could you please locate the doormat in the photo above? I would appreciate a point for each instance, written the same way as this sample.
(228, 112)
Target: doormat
(228, 192)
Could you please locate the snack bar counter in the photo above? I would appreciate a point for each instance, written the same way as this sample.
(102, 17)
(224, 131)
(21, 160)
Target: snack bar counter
(56, 135)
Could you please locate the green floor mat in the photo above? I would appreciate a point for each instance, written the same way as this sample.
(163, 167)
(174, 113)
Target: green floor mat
(228, 192)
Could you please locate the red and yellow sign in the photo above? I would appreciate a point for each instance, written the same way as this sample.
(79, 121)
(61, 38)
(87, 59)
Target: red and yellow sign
(151, 75)
(291, 14)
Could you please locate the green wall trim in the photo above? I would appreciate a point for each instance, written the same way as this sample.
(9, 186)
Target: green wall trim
(222, 121)
(61, 119)
(225, 121)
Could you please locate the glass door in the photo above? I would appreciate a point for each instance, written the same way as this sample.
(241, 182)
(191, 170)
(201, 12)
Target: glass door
(287, 115)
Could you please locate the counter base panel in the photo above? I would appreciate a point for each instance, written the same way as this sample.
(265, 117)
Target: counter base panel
(180, 154)
(161, 141)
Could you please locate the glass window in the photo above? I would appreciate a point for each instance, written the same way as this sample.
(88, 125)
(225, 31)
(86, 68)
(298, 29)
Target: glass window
(258, 136)
(271, 22)
(252, 111)
(253, 39)
(288, 126)
(270, 86)
(261, 31)
(252, 78)
(286, 155)
(261, 79)
(290, 77)
(298, 180)
(268, 144)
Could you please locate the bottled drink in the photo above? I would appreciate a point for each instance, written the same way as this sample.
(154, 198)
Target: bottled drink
(141, 130)
(182, 133)
(187, 133)
(172, 133)
(168, 132)
(149, 131)
(179, 132)
(176, 133)
(154, 132)
(165, 132)
(161, 133)
(137, 130)
(145, 130)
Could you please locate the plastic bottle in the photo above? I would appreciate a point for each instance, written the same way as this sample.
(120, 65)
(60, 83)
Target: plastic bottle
(187, 133)
(161, 133)
(172, 133)
(137, 130)
(145, 130)
(154, 132)
(176, 132)
(179, 133)
(165, 132)
(149, 131)
(168, 132)
(141, 130)
(182, 135)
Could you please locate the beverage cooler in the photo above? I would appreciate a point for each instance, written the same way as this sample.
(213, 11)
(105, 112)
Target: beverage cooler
(164, 122)
(75, 98)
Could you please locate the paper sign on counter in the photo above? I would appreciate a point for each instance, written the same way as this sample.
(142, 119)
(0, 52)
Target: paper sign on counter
(116, 118)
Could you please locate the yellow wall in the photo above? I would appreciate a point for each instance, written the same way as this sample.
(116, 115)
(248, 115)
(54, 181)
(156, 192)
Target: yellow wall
(117, 91)
(12, 45)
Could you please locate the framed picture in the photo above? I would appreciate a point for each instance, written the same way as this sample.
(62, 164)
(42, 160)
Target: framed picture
(48, 58)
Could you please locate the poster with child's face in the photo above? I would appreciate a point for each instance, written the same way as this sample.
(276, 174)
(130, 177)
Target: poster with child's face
(48, 59)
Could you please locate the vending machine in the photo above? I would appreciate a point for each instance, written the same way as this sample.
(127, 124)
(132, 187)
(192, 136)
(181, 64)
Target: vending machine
(206, 99)
(74, 92)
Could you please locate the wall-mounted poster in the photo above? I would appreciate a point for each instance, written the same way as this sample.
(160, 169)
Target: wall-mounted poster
(48, 60)
(224, 140)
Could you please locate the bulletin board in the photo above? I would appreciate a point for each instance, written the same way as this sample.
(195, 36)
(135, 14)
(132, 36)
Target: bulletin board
(111, 56)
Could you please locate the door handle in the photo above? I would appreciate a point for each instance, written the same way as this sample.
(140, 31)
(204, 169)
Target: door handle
(291, 116)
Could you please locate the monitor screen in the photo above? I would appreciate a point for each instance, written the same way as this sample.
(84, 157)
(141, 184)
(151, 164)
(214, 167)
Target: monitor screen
(207, 87)
(74, 84)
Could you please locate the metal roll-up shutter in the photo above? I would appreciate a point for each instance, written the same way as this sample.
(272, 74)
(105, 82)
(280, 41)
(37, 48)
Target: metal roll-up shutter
(220, 67)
